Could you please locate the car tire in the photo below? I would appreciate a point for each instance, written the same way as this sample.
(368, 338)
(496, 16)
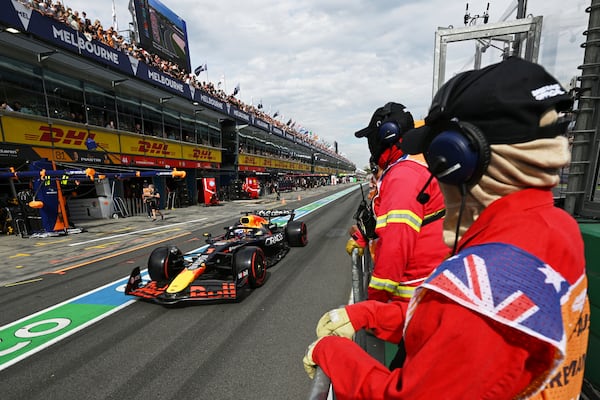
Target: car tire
(296, 233)
(165, 263)
(253, 260)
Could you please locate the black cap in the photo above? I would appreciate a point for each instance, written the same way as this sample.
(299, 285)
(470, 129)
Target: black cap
(388, 124)
(389, 112)
(504, 100)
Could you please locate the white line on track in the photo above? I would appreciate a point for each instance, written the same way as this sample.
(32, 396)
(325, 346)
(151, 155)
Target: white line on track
(136, 232)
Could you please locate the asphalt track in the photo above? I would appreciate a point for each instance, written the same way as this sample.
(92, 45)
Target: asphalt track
(137, 350)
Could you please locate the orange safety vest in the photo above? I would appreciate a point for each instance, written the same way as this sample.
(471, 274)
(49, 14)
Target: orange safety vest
(549, 308)
(566, 383)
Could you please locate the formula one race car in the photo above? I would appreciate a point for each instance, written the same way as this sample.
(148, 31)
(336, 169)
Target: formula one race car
(225, 267)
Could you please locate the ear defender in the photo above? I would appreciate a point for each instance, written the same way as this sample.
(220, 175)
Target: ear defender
(458, 155)
(389, 132)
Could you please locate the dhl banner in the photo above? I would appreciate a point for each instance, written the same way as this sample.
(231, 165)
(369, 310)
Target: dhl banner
(158, 148)
(259, 161)
(38, 133)
(324, 170)
(196, 153)
(61, 142)
(150, 147)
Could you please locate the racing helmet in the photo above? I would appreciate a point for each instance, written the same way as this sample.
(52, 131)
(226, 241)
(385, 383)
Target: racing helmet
(239, 233)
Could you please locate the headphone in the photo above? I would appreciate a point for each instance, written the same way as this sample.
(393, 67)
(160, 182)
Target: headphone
(388, 131)
(459, 153)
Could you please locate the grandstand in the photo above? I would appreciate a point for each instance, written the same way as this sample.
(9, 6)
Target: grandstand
(65, 79)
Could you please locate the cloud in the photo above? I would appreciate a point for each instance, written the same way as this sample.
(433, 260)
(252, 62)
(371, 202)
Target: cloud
(328, 64)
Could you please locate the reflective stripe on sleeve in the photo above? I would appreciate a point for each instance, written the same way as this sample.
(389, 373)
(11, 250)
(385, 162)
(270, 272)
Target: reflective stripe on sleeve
(400, 217)
(394, 288)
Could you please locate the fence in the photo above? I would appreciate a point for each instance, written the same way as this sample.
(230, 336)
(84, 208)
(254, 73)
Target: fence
(362, 266)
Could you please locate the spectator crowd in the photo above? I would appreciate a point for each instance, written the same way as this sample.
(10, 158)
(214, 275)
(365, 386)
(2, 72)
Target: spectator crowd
(80, 22)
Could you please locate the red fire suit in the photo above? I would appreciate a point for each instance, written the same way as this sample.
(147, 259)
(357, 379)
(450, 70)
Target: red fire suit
(454, 352)
(409, 244)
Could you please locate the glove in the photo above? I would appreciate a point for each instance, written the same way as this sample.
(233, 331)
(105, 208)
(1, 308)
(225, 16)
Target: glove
(351, 244)
(335, 323)
(309, 365)
(356, 241)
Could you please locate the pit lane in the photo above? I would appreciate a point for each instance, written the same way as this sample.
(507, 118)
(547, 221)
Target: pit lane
(251, 349)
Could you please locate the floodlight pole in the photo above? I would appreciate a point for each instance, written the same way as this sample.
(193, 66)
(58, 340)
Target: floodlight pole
(521, 10)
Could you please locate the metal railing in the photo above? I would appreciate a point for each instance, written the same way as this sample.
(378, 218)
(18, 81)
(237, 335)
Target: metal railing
(362, 266)
(321, 387)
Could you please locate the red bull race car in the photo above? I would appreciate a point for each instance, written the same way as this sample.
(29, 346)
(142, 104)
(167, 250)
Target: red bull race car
(226, 267)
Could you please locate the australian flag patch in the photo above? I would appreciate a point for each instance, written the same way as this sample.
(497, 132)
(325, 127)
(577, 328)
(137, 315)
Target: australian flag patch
(505, 284)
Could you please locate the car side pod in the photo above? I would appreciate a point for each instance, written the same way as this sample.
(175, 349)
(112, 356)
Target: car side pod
(184, 279)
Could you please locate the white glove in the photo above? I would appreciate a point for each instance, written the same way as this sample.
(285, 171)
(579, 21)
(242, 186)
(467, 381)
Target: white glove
(335, 323)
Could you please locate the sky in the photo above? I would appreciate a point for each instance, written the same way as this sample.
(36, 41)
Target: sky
(328, 64)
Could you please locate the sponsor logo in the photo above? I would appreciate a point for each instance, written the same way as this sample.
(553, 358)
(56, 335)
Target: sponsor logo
(261, 124)
(270, 241)
(70, 137)
(241, 115)
(202, 153)
(81, 43)
(94, 160)
(152, 148)
(8, 152)
(548, 91)
(209, 100)
(165, 80)
(24, 336)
